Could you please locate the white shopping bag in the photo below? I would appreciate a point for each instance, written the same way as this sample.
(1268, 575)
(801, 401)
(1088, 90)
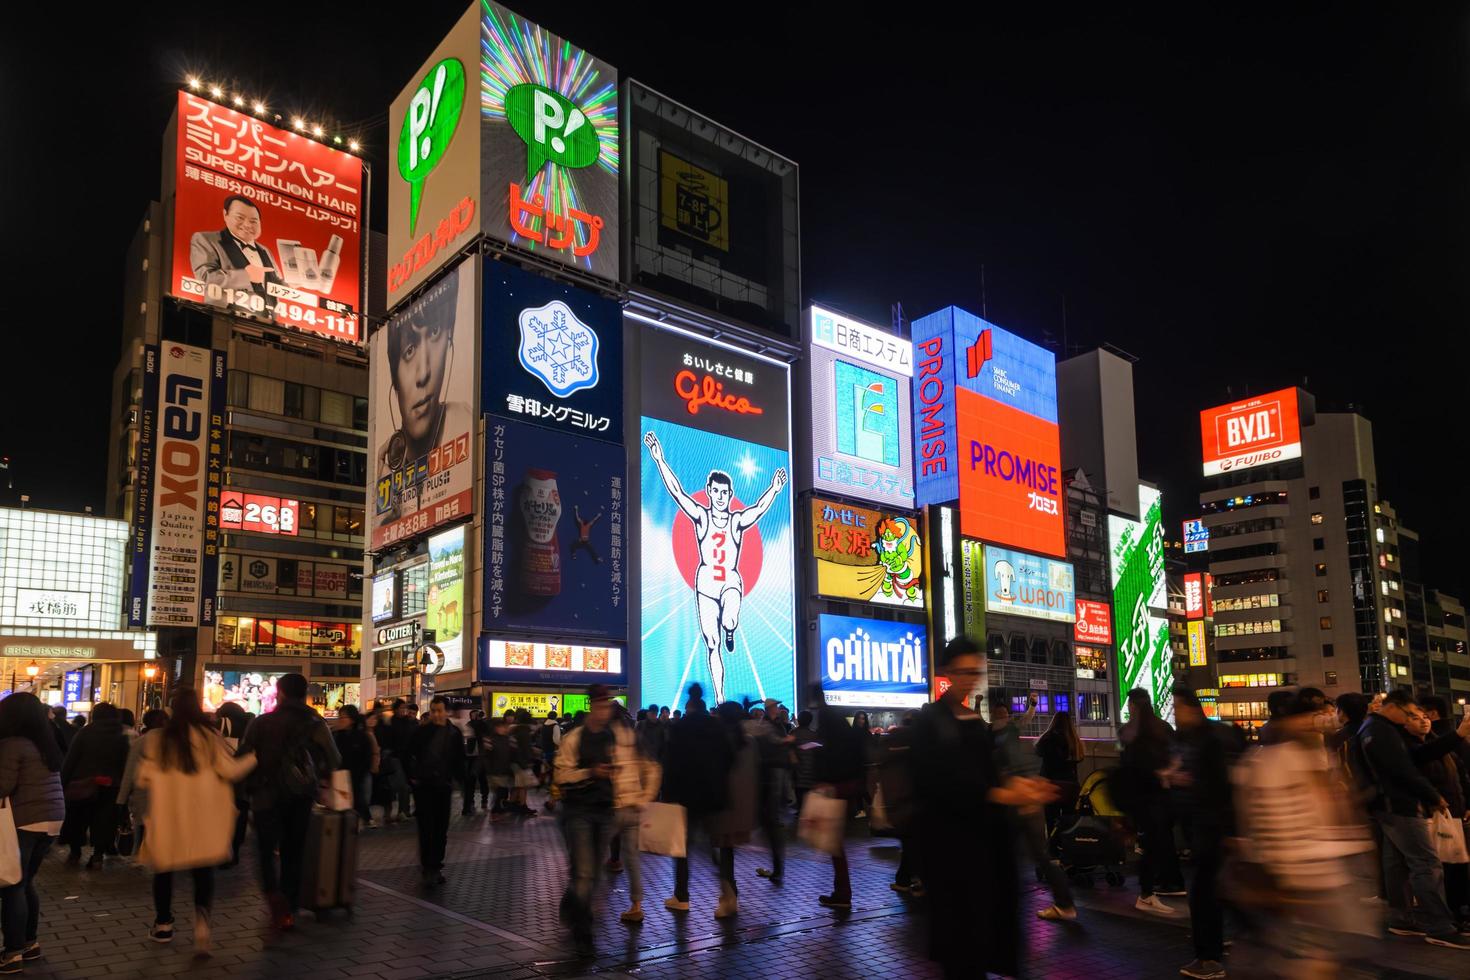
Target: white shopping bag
(823, 822)
(337, 792)
(10, 870)
(663, 829)
(1449, 838)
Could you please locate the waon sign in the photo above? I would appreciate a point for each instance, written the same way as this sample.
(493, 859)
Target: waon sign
(1094, 622)
(1254, 432)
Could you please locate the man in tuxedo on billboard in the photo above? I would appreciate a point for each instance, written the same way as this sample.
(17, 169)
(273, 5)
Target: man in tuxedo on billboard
(233, 257)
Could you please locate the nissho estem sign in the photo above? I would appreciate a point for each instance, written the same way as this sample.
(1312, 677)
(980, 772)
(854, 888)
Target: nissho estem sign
(1137, 555)
(871, 663)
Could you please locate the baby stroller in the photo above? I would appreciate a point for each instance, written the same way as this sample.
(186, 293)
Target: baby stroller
(1091, 838)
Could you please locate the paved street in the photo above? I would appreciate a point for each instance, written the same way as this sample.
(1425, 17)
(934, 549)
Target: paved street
(496, 919)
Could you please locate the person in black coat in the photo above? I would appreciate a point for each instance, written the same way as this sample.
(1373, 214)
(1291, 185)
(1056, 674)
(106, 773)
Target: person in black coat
(435, 760)
(697, 765)
(840, 771)
(969, 861)
(64, 732)
(90, 777)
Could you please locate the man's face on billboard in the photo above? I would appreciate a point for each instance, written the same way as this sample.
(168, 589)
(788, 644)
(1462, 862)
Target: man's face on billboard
(418, 377)
(243, 221)
(719, 495)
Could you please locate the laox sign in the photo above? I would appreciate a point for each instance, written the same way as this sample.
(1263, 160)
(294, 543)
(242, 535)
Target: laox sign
(182, 426)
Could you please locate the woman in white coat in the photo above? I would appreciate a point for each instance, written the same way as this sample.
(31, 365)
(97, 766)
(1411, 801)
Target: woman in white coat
(188, 771)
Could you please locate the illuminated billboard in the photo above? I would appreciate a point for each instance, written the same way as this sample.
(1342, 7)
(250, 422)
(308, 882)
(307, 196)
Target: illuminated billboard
(985, 429)
(266, 222)
(1196, 633)
(866, 555)
(1136, 550)
(554, 526)
(1194, 595)
(421, 375)
(1094, 622)
(258, 512)
(385, 597)
(870, 663)
(1018, 584)
(446, 608)
(509, 131)
(182, 435)
(1253, 432)
(1196, 537)
(552, 354)
(862, 443)
(532, 662)
(715, 458)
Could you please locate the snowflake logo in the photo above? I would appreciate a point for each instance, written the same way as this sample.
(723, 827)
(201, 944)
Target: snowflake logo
(558, 348)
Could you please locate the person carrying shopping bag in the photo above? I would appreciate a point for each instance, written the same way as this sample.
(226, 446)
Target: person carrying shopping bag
(30, 758)
(189, 773)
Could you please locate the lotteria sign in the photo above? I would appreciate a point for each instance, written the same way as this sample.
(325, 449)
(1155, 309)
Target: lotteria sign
(870, 663)
(985, 419)
(1254, 432)
(1019, 584)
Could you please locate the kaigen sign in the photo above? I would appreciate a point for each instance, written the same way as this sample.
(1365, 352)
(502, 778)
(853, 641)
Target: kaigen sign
(1019, 584)
(715, 458)
(422, 375)
(1194, 595)
(266, 221)
(552, 354)
(872, 663)
(867, 556)
(862, 443)
(1094, 622)
(1254, 432)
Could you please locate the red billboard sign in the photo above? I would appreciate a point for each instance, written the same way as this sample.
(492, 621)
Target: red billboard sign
(1254, 432)
(255, 512)
(1010, 476)
(266, 221)
(1094, 622)
(1194, 596)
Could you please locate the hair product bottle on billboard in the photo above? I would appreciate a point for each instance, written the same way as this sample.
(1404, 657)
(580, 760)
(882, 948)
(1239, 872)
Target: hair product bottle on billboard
(541, 556)
(331, 258)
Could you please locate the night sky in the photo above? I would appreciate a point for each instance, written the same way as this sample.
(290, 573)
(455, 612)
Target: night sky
(1242, 202)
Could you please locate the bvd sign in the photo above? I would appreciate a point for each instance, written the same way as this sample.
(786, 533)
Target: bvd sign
(1254, 432)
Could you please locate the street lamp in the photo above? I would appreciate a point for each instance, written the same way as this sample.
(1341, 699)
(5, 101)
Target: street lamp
(32, 669)
(150, 671)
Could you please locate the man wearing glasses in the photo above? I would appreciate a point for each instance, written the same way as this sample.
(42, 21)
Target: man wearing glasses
(233, 258)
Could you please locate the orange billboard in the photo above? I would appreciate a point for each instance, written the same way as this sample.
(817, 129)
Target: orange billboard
(1010, 476)
(1254, 432)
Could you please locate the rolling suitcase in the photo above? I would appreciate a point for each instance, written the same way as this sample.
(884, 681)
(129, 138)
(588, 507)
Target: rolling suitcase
(329, 861)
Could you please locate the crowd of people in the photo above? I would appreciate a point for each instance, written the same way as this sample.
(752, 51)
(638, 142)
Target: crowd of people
(1344, 814)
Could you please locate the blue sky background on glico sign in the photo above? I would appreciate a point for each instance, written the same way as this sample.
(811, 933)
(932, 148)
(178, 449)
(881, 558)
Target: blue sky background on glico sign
(861, 420)
(553, 354)
(1019, 584)
(716, 538)
(954, 348)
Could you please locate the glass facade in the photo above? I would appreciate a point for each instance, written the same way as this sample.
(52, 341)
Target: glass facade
(61, 571)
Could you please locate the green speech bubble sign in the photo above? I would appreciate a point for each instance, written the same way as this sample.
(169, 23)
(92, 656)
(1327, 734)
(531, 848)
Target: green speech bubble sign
(552, 127)
(428, 126)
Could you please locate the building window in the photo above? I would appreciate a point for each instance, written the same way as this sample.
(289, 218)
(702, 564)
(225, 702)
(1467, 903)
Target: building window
(1316, 518)
(1250, 680)
(295, 400)
(1321, 569)
(1325, 623)
(1331, 678)
(1327, 650)
(1092, 706)
(1314, 493)
(1321, 595)
(1319, 544)
(1248, 629)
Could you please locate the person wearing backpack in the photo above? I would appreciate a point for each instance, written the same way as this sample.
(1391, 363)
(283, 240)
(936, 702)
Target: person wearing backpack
(294, 752)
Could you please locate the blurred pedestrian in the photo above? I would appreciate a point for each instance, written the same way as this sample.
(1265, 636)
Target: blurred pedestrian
(360, 757)
(770, 747)
(30, 763)
(1443, 771)
(1029, 823)
(1207, 751)
(523, 762)
(64, 732)
(499, 751)
(896, 782)
(1457, 876)
(1405, 802)
(294, 752)
(435, 762)
(1147, 755)
(89, 778)
(474, 765)
(189, 774)
(696, 776)
(732, 826)
(132, 799)
(969, 867)
(839, 773)
(1060, 751)
(803, 756)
